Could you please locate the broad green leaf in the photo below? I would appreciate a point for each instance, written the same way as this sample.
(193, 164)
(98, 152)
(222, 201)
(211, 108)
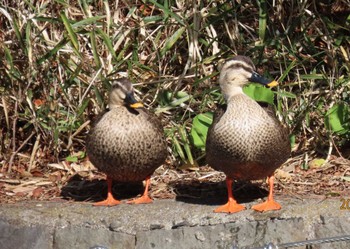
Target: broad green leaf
(337, 119)
(200, 127)
(197, 140)
(259, 93)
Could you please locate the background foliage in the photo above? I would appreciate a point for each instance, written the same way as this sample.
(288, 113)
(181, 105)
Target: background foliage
(57, 58)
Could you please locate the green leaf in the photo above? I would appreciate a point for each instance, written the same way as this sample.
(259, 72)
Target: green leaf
(107, 41)
(259, 93)
(167, 11)
(262, 19)
(287, 70)
(53, 51)
(172, 40)
(178, 149)
(72, 36)
(72, 159)
(312, 76)
(186, 144)
(150, 19)
(337, 119)
(83, 106)
(200, 127)
(286, 94)
(87, 21)
(94, 49)
(75, 157)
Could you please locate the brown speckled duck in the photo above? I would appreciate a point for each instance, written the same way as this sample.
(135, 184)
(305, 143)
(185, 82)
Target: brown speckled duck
(126, 142)
(245, 141)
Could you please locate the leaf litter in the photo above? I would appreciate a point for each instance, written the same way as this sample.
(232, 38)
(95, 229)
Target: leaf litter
(81, 181)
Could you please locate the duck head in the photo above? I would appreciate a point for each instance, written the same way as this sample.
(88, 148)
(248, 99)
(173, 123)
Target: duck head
(238, 72)
(122, 94)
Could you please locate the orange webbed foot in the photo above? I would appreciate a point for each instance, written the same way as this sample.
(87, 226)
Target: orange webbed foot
(270, 204)
(267, 206)
(142, 200)
(230, 207)
(110, 201)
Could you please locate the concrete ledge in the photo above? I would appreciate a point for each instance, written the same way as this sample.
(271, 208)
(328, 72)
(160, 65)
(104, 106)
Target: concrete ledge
(167, 224)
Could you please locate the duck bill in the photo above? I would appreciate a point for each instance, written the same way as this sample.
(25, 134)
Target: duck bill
(257, 78)
(132, 102)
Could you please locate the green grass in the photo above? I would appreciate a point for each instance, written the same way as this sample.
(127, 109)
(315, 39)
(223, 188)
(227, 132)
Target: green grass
(58, 58)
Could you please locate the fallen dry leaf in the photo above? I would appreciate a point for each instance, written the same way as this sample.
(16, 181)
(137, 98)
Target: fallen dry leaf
(37, 192)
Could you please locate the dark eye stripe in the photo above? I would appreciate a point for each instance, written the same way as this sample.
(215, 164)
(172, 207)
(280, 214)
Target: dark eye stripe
(123, 84)
(237, 65)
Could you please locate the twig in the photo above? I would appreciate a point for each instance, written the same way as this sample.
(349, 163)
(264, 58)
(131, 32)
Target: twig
(6, 112)
(336, 148)
(306, 183)
(19, 148)
(35, 149)
(13, 137)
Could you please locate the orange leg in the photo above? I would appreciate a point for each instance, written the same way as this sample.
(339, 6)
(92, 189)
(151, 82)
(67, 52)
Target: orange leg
(270, 204)
(231, 206)
(110, 201)
(144, 198)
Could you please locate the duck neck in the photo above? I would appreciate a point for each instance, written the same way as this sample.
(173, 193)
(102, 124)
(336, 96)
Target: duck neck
(230, 92)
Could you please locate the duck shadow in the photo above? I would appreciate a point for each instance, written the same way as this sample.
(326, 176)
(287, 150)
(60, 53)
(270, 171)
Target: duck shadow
(215, 193)
(82, 190)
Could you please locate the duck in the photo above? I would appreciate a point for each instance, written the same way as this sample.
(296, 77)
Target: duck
(126, 142)
(246, 141)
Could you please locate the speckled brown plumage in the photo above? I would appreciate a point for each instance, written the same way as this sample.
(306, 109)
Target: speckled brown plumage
(245, 141)
(127, 144)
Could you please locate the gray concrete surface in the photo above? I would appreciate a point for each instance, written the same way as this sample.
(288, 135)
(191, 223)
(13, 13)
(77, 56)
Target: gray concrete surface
(167, 224)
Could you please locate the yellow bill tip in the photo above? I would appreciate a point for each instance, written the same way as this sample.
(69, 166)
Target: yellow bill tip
(272, 84)
(136, 105)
